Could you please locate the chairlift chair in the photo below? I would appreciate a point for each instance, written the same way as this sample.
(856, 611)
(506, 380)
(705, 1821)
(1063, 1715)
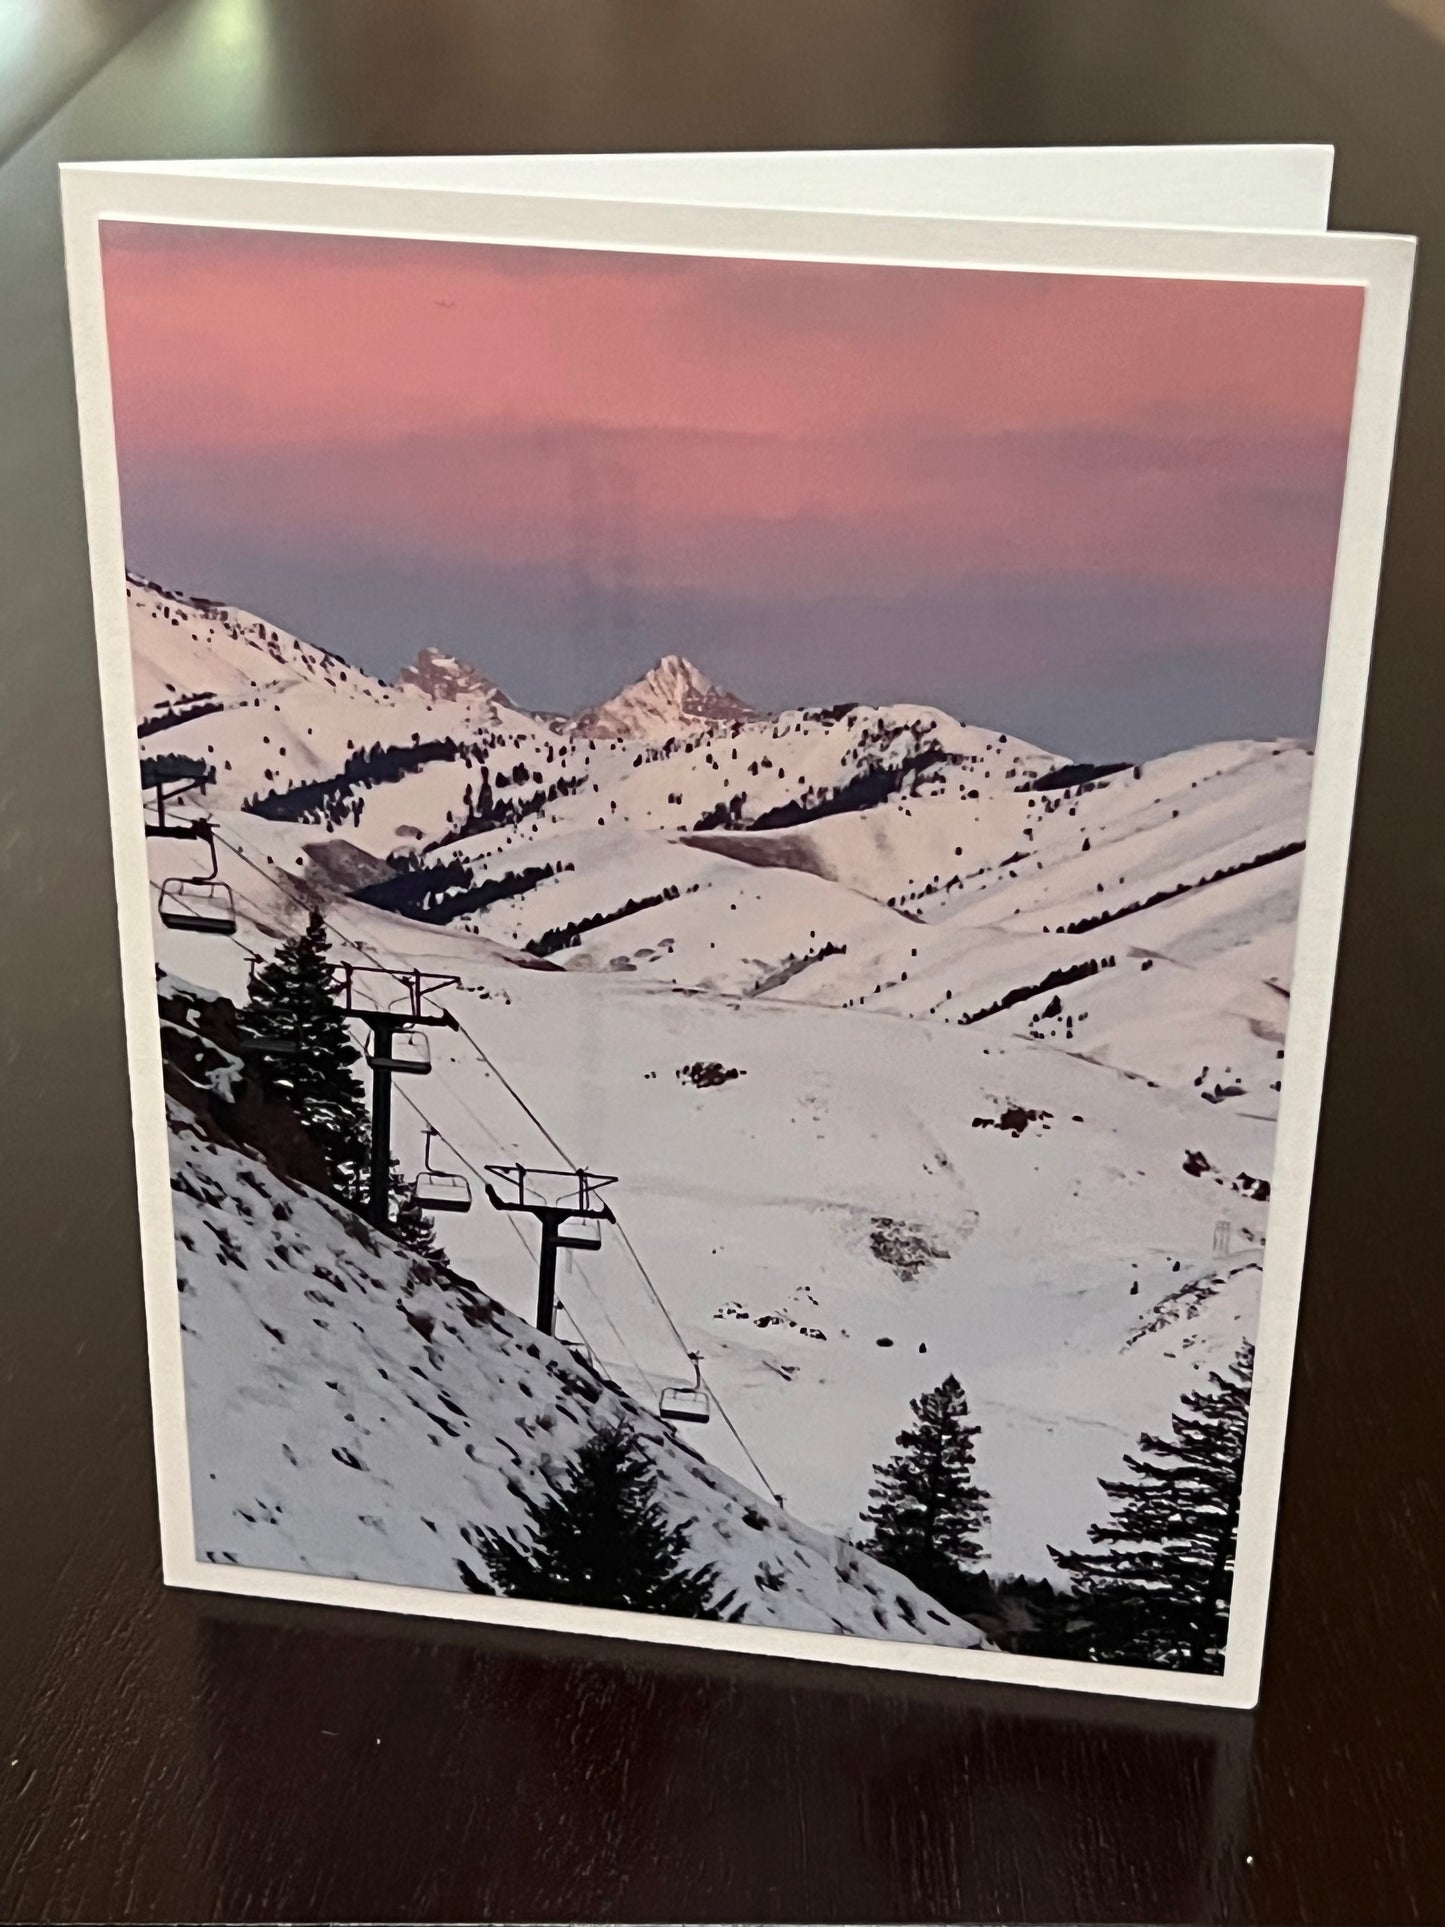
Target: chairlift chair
(203, 904)
(437, 1190)
(688, 1403)
(404, 1050)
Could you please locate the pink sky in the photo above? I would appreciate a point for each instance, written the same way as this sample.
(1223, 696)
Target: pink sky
(783, 453)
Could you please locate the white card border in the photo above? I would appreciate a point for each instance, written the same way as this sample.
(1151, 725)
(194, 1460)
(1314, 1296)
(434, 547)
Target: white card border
(1281, 186)
(1382, 265)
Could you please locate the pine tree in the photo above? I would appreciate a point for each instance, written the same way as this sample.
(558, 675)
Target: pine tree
(1157, 1594)
(926, 1511)
(291, 1004)
(600, 1538)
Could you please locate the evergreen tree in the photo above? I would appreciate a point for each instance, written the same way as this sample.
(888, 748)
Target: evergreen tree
(926, 1511)
(291, 1004)
(601, 1539)
(1157, 1593)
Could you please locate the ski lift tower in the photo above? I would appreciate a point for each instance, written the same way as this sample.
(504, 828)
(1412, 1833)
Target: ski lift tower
(396, 1041)
(204, 904)
(172, 778)
(584, 1205)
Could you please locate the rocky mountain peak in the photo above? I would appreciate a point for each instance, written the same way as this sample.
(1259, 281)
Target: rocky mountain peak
(447, 679)
(674, 697)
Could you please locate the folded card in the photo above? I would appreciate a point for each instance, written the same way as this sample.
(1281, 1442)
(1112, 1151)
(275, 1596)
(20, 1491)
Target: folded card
(731, 779)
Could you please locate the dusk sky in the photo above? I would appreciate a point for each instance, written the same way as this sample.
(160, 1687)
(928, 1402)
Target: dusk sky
(1096, 511)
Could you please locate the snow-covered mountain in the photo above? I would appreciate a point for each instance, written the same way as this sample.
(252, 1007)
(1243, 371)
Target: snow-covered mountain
(674, 698)
(187, 651)
(915, 1048)
(445, 679)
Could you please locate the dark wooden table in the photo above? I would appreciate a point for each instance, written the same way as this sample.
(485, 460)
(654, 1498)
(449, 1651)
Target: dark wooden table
(168, 1756)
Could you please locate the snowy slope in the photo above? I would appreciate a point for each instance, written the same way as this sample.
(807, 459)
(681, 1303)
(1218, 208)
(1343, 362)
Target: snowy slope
(358, 1412)
(1007, 1038)
(770, 1210)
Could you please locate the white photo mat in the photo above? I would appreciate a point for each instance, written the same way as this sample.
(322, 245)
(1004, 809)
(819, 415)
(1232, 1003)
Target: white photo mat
(1381, 265)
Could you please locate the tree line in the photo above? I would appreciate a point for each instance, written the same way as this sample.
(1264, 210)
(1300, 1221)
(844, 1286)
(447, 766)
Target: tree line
(328, 798)
(173, 718)
(1181, 889)
(492, 812)
(566, 936)
(865, 791)
(442, 892)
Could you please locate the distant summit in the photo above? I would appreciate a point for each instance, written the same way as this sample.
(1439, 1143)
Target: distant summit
(447, 680)
(674, 698)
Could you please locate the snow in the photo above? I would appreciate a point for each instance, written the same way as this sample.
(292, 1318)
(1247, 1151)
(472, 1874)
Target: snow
(358, 1413)
(673, 699)
(847, 965)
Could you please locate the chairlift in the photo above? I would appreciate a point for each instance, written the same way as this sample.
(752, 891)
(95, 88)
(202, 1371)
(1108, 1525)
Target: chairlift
(686, 1402)
(203, 904)
(437, 1190)
(400, 1050)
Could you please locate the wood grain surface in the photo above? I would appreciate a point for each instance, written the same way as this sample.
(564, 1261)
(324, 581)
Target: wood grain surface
(164, 1756)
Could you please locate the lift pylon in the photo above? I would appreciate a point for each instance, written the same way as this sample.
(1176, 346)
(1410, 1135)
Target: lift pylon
(171, 778)
(551, 1216)
(411, 1012)
(203, 904)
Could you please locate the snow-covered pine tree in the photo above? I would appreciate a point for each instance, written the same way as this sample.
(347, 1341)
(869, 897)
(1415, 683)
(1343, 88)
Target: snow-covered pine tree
(600, 1538)
(1157, 1591)
(291, 1004)
(926, 1511)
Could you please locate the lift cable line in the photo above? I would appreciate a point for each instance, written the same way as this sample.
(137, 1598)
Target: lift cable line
(280, 877)
(515, 1094)
(724, 1415)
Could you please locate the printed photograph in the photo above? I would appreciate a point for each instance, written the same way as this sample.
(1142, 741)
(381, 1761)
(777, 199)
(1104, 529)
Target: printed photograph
(725, 842)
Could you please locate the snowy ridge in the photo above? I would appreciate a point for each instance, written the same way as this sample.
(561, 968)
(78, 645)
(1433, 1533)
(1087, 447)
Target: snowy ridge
(359, 1412)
